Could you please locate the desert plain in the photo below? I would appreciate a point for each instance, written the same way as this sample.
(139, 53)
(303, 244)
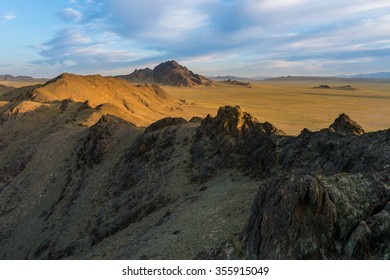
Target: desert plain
(294, 105)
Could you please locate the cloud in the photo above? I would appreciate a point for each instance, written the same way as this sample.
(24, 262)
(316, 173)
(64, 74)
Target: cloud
(221, 23)
(268, 34)
(7, 17)
(155, 19)
(69, 15)
(74, 50)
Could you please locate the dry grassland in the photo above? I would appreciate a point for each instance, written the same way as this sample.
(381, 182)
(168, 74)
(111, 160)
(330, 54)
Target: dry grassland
(294, 105)
(289, 105)
(18, 84)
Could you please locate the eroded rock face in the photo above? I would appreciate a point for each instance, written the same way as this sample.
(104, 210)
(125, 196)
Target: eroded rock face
(335, 217)
(292, 218)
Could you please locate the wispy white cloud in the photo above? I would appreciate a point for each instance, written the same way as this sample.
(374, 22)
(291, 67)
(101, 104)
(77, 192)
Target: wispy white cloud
(74, 50)
(69, 15)
(7, 17)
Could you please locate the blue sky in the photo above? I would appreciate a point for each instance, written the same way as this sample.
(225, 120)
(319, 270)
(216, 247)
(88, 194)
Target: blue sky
(44, 38)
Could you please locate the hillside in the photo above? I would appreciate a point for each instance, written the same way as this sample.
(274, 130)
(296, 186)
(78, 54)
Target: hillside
(4, 88)
(227, 186)
(139, 105)
(168, 73)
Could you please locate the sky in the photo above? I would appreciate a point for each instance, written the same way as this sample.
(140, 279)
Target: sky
(247, 38)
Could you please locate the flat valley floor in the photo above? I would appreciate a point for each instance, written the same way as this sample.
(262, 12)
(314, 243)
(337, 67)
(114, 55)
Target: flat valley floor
(294, 105)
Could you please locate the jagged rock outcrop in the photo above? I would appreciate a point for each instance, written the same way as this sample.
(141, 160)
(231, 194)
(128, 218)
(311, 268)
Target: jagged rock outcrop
(322, 194)
(232, 139)
(344, 125)
(167, 73)
(332, 194)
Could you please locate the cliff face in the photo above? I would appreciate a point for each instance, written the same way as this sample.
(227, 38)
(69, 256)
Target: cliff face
(329, 199)
(221, 187)
(167, 73)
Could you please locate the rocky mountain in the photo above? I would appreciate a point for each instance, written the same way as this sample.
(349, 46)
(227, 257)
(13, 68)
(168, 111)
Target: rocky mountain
(237, 83)
(377, 75)
(80, 178)
(14, 78)
(168, 73)
(20, 78)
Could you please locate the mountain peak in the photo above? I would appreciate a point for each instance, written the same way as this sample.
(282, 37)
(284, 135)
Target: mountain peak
(173, 63)
(167, 73)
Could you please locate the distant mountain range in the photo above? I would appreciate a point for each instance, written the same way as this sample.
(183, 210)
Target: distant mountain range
(21, 78)
(167, 73)
(4, 88)
(341, 78)
(14, 78)
(378, 75)
(232, 77)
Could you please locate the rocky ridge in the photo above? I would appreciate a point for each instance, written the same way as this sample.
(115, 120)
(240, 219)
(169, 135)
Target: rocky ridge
(226, 186)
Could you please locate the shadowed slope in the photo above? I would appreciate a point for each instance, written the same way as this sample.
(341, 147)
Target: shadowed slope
(183, 190)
